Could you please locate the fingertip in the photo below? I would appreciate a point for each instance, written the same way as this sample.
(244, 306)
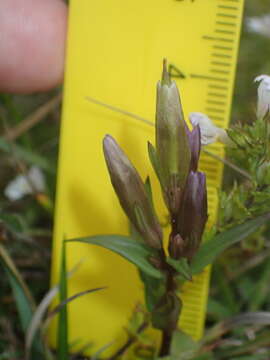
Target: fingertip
(32, 44)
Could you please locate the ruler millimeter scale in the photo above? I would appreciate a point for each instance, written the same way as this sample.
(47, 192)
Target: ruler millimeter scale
(115, 53)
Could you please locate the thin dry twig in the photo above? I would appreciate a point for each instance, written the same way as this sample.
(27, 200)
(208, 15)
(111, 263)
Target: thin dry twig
(34, 118)
(124, 112)
(129, 342)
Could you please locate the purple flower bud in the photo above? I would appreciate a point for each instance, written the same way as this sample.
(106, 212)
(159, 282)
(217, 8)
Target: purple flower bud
(131, 193)
(193, 214)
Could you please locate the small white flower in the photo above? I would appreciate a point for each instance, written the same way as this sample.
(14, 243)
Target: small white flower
(259, 25)
(263, 104)
(210, 133)
(23, 185)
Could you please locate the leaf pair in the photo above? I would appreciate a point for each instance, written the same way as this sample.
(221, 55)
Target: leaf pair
(139, 254)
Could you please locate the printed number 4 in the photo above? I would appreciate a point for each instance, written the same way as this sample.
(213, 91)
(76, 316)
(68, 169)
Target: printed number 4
(175, 72)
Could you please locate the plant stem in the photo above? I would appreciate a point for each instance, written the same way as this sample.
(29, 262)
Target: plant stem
(167, 333)
(165, 343)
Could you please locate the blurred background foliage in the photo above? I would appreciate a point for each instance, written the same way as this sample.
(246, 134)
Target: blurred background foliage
(30, 136)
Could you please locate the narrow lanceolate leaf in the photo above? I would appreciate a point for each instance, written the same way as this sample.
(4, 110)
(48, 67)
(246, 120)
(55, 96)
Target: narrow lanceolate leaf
(24, 301)
(213, 248)
(181, 266)
(136, 253)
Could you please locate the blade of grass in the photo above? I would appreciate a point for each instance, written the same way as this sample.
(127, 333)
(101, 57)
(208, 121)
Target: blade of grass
(62, 336)
(24, 301)
(40, 313)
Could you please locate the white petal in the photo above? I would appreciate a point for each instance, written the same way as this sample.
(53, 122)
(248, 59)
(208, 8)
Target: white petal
(209, 132)
(22, 185)
(263, 103)
(37, 178)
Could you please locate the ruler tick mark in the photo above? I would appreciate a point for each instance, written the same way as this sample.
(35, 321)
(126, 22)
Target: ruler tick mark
(216, 102)
(215, 110)
(219, 95)
(206, 37)
(220, 63)
(225, 23)
(221, 55)
(207, 77)
(227, 15)
(220, 71)
(217, 118)
(227, 7)
(214, 86)
(222, 47)
(225, 32)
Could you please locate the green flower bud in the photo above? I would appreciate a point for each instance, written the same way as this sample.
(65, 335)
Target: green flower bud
(131, 193)
(172, 143)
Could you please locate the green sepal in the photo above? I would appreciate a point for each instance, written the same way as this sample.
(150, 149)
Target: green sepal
(181, 266)
(152, 153)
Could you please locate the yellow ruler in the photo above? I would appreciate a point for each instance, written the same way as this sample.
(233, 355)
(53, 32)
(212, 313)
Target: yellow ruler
(115, 52)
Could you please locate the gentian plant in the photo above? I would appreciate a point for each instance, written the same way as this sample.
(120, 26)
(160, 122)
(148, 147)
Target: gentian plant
(175, 159)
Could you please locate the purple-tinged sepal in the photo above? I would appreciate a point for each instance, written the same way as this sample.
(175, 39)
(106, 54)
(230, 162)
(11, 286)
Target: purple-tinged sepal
(194, 137)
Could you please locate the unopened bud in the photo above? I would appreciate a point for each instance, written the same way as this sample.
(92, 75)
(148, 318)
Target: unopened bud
(193, 215)
(172, 144)
(131, 193)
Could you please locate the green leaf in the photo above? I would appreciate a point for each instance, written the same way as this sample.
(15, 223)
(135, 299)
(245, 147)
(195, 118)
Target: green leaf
(135, 252)
(213, 248)
(62, 335)
(183, 347)
(24, 301)
(181, 266)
